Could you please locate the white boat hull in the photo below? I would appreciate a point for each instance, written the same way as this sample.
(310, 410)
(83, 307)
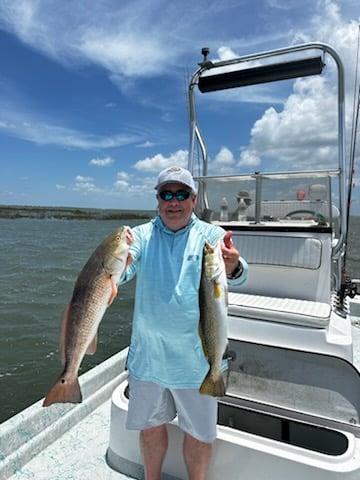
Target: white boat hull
(236, 455)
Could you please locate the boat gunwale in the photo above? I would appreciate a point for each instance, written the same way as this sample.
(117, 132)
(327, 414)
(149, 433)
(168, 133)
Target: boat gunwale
(29, 432)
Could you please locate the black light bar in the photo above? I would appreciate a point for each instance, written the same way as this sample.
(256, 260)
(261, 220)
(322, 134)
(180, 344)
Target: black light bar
(261, 74)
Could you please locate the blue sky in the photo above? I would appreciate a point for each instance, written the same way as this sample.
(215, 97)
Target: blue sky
(93, 94)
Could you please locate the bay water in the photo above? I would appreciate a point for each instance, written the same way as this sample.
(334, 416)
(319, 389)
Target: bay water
(39, 263)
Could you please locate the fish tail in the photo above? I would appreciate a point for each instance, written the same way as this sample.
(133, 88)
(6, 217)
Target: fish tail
(64, 391)
(213, 385)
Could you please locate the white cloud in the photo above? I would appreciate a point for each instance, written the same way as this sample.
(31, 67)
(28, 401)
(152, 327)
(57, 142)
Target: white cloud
(297, 134)
(6, 125)
(223, 162)
(159, 162)
(305, 128)
(46, 134)
(123, 176)
(118, 51)
(110, 34)
(80, 178)
(122, 181)
(85, 185)
(121, 185)
(102, 162)
(249, 159)
(128, 39)
(224, 157)
(226, 53)
(146, 144)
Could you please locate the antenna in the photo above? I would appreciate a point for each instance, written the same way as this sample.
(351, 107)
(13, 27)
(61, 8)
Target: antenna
(205, 52)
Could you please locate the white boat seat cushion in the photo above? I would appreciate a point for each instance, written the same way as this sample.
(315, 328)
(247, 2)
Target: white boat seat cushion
(284, 251)
(295, 267)
(284, 310)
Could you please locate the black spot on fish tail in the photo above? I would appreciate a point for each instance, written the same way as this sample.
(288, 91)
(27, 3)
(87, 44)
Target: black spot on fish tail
(64, 391)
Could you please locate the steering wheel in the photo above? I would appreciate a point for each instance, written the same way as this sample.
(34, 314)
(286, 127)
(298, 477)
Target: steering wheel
(316, 216)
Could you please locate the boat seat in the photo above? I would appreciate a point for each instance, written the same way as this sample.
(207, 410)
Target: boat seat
(284, 265)
(282, 251)
(281, 310)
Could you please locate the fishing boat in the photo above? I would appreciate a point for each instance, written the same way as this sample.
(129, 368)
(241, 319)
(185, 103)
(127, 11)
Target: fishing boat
(292, 405)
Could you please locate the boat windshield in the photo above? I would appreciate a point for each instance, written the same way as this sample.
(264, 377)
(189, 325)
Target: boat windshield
(303, 199)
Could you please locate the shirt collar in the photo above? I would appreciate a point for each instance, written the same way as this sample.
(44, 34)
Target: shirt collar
(161, 225)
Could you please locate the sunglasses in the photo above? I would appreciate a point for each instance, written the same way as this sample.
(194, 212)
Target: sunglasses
(180, 195)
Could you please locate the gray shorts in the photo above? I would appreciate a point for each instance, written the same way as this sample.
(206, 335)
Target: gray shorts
(151, 405)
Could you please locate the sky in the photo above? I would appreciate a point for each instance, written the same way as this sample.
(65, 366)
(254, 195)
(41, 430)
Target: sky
(93, 95)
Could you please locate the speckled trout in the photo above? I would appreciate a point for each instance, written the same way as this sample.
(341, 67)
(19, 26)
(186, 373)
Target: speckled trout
(213, 297)
(94, 291)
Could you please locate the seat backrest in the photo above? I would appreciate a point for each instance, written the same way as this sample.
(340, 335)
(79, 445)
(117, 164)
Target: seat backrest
(284, 265)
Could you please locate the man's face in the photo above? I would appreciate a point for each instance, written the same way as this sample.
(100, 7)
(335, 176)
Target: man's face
(176, 213)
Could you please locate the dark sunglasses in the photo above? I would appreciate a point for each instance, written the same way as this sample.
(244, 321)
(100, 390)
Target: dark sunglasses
(180, 195)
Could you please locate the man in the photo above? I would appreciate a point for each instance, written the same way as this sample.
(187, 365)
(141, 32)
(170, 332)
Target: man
(166, 361)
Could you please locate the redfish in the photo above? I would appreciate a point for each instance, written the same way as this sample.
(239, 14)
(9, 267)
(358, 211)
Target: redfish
(94, 291)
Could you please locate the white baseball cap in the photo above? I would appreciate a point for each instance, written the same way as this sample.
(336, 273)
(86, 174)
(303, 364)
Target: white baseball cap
(175, 175)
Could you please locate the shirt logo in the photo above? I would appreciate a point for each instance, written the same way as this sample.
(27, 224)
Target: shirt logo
(194, 257)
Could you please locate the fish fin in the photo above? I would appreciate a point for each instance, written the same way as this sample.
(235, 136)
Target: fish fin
(113, 294)
(64, 391)
(213, 385)
(91, 349)
(202, 338)
(129, 260)
(63, 327)
(226, 352)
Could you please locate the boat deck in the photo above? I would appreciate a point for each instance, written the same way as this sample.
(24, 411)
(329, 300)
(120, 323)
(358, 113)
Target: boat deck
(80, 453)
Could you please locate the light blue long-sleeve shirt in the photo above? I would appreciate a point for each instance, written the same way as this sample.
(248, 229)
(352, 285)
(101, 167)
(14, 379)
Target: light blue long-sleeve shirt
(165, 346)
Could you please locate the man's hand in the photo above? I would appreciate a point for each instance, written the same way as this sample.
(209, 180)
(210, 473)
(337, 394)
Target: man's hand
(230, 254)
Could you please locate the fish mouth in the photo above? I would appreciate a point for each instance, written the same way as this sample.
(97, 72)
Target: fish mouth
(209, 248)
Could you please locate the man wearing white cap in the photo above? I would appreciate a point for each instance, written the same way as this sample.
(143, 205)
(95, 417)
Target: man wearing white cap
(166, 361)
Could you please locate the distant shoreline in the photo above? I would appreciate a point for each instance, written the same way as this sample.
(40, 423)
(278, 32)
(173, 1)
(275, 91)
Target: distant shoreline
(71, 213)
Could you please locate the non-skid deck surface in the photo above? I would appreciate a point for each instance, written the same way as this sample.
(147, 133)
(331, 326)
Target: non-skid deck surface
(77, 455)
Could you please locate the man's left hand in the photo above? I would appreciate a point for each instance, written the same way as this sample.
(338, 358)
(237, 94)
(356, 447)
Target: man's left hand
(230, 254)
